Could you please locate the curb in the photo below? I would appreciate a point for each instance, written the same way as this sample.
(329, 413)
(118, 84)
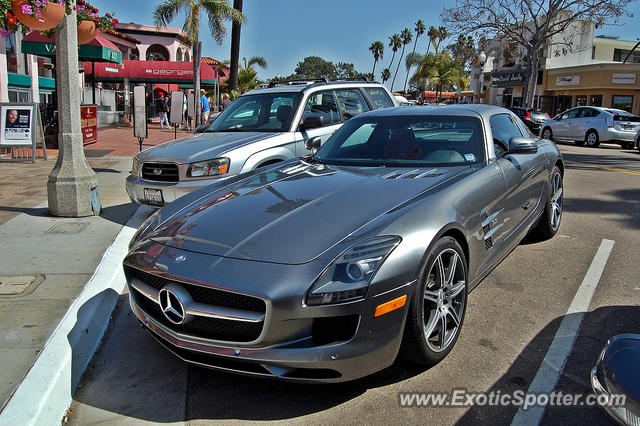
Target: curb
(46, 392)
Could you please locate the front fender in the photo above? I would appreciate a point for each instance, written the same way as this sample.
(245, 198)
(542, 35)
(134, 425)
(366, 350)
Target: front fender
(272, 154)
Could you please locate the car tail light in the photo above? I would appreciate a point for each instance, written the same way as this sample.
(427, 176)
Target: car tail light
(527, 116)
(548, 116)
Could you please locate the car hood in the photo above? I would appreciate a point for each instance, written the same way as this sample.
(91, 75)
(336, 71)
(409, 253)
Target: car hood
(201, 146)
(294, 213)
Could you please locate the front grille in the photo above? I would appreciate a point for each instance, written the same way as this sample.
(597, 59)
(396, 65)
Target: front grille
(161, 172)
(203, 327)
(334, 329)
(206, 295)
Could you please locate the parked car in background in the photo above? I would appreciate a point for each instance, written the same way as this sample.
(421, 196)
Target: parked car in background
(638, 140)
(261, 127)
(592, 125)
(328, 267)
(532, 118)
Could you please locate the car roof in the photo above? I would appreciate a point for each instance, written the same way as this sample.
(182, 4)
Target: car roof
(468, 110)
(320, 85)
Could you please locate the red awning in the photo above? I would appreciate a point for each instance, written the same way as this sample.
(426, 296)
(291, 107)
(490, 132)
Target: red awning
(153, 72)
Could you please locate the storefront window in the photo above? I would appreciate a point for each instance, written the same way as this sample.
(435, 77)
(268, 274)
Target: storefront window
(595, 100)
(622, 102)
(12, 53)
(19, 95)
(581, 100)
(620, 54)
(45, 67)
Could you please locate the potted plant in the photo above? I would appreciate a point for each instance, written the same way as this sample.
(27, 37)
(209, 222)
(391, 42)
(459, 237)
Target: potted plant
(8, 21)
(90, 22)
(39, 15)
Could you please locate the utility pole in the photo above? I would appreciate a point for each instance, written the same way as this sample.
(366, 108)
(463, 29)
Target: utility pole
(72, 187)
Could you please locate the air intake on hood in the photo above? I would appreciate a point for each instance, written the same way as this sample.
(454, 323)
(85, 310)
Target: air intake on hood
(413, 174)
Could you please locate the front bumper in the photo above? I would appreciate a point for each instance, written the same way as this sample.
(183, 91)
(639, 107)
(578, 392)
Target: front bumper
(170, 191)
(287, 346)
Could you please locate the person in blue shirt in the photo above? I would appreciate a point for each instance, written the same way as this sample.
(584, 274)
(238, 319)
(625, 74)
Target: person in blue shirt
(204, 104)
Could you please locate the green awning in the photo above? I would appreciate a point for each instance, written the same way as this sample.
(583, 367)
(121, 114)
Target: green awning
(18, 80)
(46, 83)
(98, 50)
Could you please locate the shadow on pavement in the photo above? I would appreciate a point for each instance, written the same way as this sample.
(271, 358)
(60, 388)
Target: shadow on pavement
(119, 214)
(597, 327)
(624, 204)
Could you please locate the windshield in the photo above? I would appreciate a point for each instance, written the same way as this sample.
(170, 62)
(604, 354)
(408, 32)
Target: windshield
(270, 112)
(411, 141)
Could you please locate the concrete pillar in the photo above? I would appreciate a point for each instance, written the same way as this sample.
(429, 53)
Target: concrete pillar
(72, 182)
(32, 65)
(4, 77)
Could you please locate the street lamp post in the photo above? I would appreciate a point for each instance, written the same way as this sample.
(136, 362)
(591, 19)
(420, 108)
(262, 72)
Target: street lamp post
(72, 188)
(482, 59)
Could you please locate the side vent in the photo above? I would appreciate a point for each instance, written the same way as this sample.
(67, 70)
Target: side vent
(488, 243)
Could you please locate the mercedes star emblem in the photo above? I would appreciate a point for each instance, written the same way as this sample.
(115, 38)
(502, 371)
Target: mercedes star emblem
(171, 306)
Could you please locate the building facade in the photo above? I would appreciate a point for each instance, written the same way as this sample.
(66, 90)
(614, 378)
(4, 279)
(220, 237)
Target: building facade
(576, 68)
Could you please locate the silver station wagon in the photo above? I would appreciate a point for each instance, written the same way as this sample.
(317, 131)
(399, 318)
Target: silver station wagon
(260, 128)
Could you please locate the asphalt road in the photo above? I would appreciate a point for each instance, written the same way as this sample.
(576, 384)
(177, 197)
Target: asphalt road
(511, 320)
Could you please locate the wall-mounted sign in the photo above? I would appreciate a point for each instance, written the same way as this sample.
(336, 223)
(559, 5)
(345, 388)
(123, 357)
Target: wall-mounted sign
(623, 79)
(568, 80)
(508, 79)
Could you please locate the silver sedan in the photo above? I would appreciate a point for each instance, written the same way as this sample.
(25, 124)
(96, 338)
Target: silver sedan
(592, 125)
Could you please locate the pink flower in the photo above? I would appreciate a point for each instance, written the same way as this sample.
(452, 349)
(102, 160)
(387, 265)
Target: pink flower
(4, 32)
(26, 9)
(38, 4)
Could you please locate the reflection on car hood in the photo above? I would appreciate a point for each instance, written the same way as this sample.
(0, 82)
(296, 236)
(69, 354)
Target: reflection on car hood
(202, 146)
(293, 213)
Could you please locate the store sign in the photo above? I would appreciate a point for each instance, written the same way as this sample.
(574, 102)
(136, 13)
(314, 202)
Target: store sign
(623, 79)
(568, 80)
(508, 79)
(89, 123)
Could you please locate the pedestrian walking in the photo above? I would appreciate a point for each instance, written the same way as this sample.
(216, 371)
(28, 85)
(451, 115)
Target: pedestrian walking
(204, 105)
(163, 105)
(225, 101)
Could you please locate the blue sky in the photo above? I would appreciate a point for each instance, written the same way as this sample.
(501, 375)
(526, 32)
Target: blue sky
(285, 31)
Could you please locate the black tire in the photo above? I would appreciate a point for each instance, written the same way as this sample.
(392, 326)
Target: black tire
(592, 139)
(546, 133)
(437, 306)
(550, 221)
(627, 145)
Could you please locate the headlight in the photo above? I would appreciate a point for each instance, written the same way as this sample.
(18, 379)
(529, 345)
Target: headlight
(147, 226)
(135, 167)
(348, 276)
(217, 166)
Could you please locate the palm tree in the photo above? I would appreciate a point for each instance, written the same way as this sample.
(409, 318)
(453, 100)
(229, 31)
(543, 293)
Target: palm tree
(377, 49)
(420, 28)
(432, 34)
(217, 12)
(442, 34)
(405, 37)
(441, 71)
(395, 42)
(386, 74)
(235, 48)
(247, 74)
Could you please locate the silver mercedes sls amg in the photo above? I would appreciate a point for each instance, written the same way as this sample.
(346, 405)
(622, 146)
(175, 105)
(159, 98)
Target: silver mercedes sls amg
(328, 267)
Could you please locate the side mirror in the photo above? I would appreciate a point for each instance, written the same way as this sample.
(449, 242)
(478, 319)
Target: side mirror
(313, 144)
(311, 122)
(518, 145)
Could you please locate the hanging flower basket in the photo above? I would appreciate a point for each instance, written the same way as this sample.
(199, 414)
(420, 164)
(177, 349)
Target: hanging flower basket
(44, 17)
(87, 31)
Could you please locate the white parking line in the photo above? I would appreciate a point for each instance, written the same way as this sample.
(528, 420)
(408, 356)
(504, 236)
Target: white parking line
(555, 359)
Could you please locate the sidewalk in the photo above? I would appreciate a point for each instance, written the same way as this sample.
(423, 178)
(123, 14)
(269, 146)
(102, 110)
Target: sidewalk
(47, 264)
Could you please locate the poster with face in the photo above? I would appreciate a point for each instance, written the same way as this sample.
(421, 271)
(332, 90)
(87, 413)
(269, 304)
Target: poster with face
(16, 125)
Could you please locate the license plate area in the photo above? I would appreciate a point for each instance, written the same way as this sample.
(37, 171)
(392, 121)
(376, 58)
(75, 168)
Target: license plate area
(153, 196)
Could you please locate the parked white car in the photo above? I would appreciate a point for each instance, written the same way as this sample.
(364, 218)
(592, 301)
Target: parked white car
(261, 127)
(592, 125)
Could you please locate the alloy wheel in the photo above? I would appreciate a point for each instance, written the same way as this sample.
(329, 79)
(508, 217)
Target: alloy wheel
(556, 202)
(444, 300)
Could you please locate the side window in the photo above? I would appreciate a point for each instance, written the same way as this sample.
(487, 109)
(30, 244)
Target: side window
(322, 104)
(503, 128)
(379, 97)
(351, 103)
(591, 112)
(570, 114)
